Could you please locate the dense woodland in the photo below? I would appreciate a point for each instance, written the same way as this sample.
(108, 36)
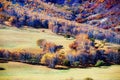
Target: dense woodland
(100, 15)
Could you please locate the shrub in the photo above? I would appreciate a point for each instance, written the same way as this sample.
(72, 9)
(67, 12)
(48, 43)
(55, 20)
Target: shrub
(2, 60)
(76, 63)
(88, 78)
(34, 59)
(99, 55)
(99, 63)
(43, 59)
(1, 53)
(49, 59)
(41, 42)
(84, 58)
(6, 54)
(113, 57)
(73, 46)
(92, 39)
(116, 58)
(67, 36)
(66, 62)
(52, 49)
(55, 48)
(71, 58)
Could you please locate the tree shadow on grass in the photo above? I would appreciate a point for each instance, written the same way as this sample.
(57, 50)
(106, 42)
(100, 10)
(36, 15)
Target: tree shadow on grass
(2, 68)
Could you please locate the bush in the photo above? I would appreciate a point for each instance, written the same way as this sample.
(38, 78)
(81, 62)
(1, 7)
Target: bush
(67, 36)
(34, 59)
(99, 63)
(99, 55)
(114, 57)
(88, 78)
(92, 39)
(66, 62)
(84, 59)
(76, 63)
(49, 60)
(40, 42)
(73, 46)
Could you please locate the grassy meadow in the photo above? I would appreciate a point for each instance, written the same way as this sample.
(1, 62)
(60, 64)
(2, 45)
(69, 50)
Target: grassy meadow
(15, 39)
(21, 71)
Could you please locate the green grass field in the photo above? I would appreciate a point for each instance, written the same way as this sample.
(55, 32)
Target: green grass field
(12, 38)
(21, 71)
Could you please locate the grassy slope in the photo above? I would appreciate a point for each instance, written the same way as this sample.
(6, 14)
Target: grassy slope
(12, 38)
(20, 71)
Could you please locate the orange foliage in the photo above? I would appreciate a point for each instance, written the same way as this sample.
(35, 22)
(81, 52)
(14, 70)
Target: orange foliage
(101, 1)
(73, 46)
(7, 23)
(1, 9)
(82, 36)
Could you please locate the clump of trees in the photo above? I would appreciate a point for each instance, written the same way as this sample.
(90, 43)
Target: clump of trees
(48, 46)
(31, 18)
(84, 56)
(81, 54)
(49, 59)
(99, 58)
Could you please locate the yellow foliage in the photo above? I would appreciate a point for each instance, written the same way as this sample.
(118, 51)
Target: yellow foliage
(21, 50)
(47, 56)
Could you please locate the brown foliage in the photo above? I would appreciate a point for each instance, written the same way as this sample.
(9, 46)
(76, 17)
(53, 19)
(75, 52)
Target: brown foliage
(74, 46)
(41, 42)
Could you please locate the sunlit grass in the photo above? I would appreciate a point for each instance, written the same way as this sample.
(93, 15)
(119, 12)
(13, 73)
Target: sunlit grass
(20, 71)
(14, 39)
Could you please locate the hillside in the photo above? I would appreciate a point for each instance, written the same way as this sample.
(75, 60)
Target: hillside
(59, 39)
(22, 45)
(99, 19)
